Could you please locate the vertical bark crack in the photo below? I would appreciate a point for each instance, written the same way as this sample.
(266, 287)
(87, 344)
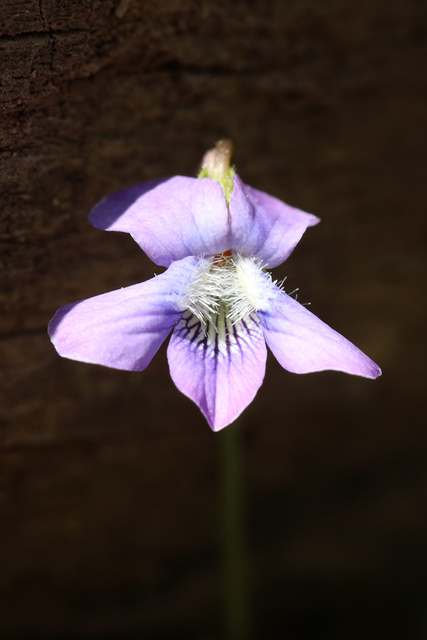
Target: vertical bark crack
(42, 14)
(46, 28)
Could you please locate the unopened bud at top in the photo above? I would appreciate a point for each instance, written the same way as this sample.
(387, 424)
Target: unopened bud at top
(216, 165)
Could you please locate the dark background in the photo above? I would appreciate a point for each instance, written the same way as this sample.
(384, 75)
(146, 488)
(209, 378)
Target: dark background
(109, 480)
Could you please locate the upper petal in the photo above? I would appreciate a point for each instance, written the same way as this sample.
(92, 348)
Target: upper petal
(302, 343)
(221, 371)
(264, 226)
(123, 329)
(169, 219)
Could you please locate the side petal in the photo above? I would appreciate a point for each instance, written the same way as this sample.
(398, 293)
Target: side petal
(221, 372)
(302, 343)
(169, 219)
(123, 329)
(264, 226)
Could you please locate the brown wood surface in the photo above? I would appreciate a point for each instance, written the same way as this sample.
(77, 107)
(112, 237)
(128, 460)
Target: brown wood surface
(108, 480)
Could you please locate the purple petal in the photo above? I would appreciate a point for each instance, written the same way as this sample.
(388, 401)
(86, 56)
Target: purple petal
(123, 329)
(169, 219)
(302, 343)
(264, 226)
(220, 373)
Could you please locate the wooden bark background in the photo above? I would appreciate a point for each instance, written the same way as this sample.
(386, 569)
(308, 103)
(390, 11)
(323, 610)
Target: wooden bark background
(108, 485)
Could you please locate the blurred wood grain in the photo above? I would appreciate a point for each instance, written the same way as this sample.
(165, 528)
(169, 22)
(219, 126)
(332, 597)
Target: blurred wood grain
(108, 480)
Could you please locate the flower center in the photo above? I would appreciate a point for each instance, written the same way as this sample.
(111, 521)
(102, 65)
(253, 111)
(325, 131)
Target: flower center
(227, 285)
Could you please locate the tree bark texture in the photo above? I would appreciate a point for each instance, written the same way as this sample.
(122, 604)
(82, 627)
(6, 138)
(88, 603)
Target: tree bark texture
(108, 479)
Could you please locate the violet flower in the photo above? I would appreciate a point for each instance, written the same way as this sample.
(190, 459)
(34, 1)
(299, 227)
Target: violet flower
(216, 237)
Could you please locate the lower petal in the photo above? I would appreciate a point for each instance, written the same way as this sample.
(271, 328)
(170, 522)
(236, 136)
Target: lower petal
(123, 329)
(302, 343)
(220, 370)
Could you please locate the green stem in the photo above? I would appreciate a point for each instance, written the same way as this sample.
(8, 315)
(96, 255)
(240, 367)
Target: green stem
(235, 592)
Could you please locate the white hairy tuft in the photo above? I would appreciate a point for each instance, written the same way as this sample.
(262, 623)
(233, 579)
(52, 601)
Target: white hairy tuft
(231, 285)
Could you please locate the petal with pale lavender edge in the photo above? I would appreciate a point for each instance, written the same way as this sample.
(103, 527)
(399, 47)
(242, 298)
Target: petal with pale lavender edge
(263, 226)
(222, 370)
(170, 219)
(302, 343)
(123, 329)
